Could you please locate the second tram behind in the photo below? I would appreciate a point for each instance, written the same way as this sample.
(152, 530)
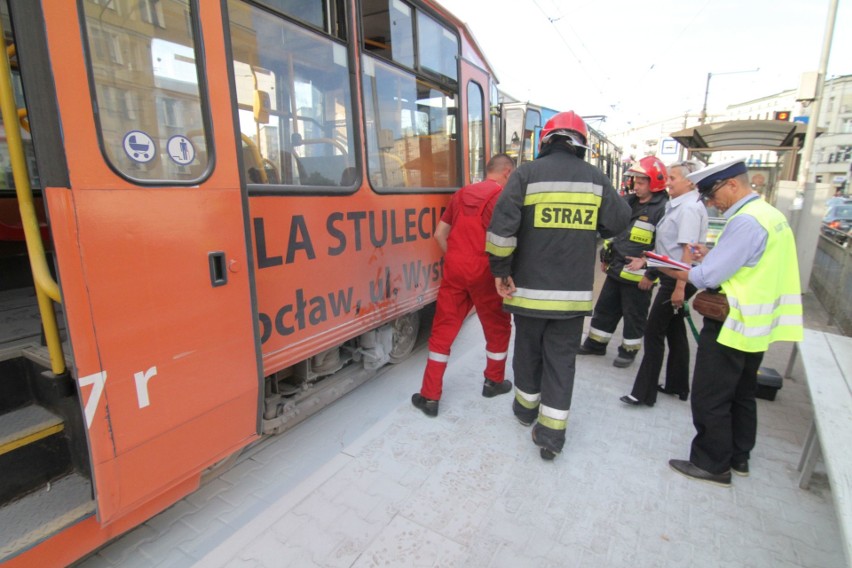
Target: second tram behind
(521, 127)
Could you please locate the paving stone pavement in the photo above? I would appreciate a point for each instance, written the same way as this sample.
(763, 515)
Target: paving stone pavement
(371, 481)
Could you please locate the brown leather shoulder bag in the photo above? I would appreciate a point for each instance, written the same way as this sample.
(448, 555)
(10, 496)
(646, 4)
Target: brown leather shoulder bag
(711, 305)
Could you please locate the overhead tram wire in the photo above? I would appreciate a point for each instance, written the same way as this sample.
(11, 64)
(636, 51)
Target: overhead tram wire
(570, 49)
(683, 30)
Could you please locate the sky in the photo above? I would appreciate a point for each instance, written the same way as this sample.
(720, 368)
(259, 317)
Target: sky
(637, 61)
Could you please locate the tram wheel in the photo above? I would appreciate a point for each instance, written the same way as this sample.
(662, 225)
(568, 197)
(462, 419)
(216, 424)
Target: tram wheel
(405, 330)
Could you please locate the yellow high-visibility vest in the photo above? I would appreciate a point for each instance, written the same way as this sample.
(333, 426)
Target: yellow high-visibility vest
(766, 299)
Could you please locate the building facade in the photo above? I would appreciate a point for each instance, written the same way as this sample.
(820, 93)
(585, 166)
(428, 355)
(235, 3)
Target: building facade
(832, 157)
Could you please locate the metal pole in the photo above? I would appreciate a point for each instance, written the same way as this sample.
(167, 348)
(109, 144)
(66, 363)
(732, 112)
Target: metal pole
(703, 116)
(679, 146)
(808, 219)
(810, 132)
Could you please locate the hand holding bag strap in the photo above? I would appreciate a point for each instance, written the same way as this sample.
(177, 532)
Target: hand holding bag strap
(711, 305)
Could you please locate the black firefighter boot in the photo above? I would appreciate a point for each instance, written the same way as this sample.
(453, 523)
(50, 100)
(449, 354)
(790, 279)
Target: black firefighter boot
(625, 358)
(592, 347)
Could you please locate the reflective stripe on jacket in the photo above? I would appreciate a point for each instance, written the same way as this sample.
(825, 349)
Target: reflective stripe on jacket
(544, 230)
(639, 236)
(765, 300)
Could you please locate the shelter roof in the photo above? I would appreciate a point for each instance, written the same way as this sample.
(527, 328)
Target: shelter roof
(777, 135)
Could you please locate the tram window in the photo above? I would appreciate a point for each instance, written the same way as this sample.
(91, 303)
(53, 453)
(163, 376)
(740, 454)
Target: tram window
(514, 132)
(389, 30)
(532, 121)
(321, 14)
(294, 102)
(437, 47)
(7, 180)
(495, 118)
(476, 131)
(411, 130)
(146, 85)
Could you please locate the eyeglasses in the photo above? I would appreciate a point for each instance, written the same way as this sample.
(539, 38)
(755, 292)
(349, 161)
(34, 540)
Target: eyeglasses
(716, 187)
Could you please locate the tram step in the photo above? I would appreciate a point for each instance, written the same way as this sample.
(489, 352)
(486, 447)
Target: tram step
(42, 513)
(33, 451)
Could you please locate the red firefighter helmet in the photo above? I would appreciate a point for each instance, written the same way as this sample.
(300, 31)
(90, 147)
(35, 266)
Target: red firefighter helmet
(567, 124)
(651, 168)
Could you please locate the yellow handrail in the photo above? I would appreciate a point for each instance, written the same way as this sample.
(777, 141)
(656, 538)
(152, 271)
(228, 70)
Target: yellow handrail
(46, 286)
(258, 159)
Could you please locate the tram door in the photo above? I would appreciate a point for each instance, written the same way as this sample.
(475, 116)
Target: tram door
(151, 244)
(475, 92)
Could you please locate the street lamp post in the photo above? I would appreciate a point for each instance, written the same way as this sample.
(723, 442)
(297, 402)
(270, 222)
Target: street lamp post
(703, 117)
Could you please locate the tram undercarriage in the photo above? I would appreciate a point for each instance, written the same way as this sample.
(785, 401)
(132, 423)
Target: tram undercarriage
(295, 393)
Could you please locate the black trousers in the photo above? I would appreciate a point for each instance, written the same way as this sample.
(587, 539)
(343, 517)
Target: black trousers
(664, 325)
(622, 299)
(724, 411)
(544, 362)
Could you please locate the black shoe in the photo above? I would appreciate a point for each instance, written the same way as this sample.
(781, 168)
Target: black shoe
(546, 453)
(429, 407)
(525, 416)
(740, 468)
(524, 421)
(624, 360)
(491, 389)
(680, 395)
(587, 350)
(628, 399)
(692, 471)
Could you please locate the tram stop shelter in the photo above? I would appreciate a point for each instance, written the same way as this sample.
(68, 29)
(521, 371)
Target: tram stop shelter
(804, 212)
(784, 138)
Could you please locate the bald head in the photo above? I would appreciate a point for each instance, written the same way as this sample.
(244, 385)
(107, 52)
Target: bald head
(499, 168)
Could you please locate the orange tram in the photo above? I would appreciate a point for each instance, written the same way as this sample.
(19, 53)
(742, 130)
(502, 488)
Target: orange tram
(216, 216)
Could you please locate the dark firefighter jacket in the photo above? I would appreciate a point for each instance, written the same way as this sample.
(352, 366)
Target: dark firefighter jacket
(543, 233)
(637, 238)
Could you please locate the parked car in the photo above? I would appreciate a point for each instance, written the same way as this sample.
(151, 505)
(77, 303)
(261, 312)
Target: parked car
(837, 222)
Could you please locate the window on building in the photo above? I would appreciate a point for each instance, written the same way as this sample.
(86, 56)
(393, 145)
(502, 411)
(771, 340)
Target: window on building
(151, 12)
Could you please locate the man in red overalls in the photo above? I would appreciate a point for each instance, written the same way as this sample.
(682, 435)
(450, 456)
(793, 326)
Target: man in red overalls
(467, 282)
